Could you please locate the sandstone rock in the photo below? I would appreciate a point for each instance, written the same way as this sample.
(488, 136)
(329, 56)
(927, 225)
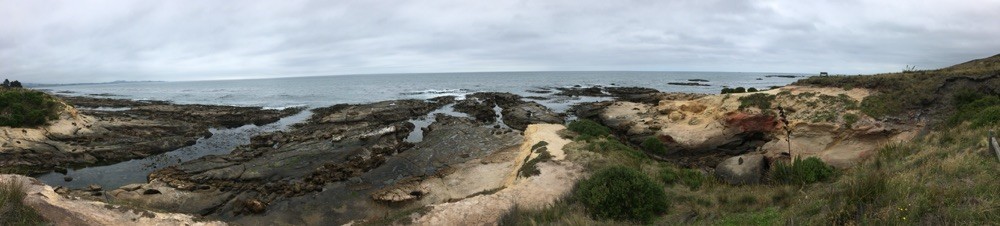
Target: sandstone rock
(742, 170)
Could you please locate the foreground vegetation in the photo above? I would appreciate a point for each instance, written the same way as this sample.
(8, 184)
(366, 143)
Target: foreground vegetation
(12, 210)
(943, 177)
(26, 108)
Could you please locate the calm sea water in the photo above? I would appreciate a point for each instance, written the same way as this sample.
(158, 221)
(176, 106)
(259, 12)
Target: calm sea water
(329, 90)
(325, 91)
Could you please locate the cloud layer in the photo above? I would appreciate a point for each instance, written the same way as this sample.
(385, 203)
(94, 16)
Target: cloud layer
(86, 41)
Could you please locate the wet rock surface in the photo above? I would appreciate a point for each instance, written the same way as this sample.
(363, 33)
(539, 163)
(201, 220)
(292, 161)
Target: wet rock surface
(87, 135)
(351, 156)
(516, 112)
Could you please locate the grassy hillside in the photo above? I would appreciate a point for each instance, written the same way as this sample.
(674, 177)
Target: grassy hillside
(944, 177)
(26, 108)
(919, 92)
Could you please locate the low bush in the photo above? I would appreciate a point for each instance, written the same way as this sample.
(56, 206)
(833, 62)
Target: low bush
(850, 119)
(878, 106)
(726, 90)
(12, 210)
(26, 108)
(654, 145)
(588, 129)
(669, 176)
(979, 110)
(622, 193)
(692, 178)
(611, 146)
(810, 170)
(759, 100)
(987, 117)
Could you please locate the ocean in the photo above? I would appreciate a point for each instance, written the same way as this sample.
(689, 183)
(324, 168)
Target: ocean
(329, 90)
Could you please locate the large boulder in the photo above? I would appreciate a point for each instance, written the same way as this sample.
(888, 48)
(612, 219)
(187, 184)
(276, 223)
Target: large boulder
(741, 170)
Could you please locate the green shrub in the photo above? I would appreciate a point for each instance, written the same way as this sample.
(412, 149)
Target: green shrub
(740, 90)
(613, 146)
(622, 193)
(692, 178)
(751, 89)
(654, 145)
(669, 176)
(759, 100)
(810, 170)
(979, 110)
(987, 117)
(26, 108)
(588, 129)
(964, 97)
(12, 210)
(878, 106)
(850, 119)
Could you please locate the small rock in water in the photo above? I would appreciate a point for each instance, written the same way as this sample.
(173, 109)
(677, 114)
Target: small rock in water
(94, 187)
(68, 178)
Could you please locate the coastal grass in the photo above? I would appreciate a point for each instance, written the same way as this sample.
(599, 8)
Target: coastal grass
(588, 129)
(807, 171)
(26, 108)
(899, 93)
(12, 210)
(761, 101)
(944, 177)
(654, 145)
(926, 182)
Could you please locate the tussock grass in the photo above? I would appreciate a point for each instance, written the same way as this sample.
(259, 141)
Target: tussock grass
(924, 182)
(12, 210)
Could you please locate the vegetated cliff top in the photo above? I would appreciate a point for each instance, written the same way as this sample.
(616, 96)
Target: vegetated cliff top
(918, 92)
(978, 65)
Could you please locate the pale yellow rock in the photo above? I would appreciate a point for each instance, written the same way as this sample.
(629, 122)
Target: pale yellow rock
(705, 127)
(534, 192)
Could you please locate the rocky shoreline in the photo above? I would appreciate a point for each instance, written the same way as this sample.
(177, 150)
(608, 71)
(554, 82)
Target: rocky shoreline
(351, 163)
(96, 131)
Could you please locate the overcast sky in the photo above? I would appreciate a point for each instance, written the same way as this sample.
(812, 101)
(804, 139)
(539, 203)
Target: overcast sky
(96, 41)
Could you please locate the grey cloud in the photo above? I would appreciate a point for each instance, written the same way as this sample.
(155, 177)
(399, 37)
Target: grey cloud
(105, 40)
